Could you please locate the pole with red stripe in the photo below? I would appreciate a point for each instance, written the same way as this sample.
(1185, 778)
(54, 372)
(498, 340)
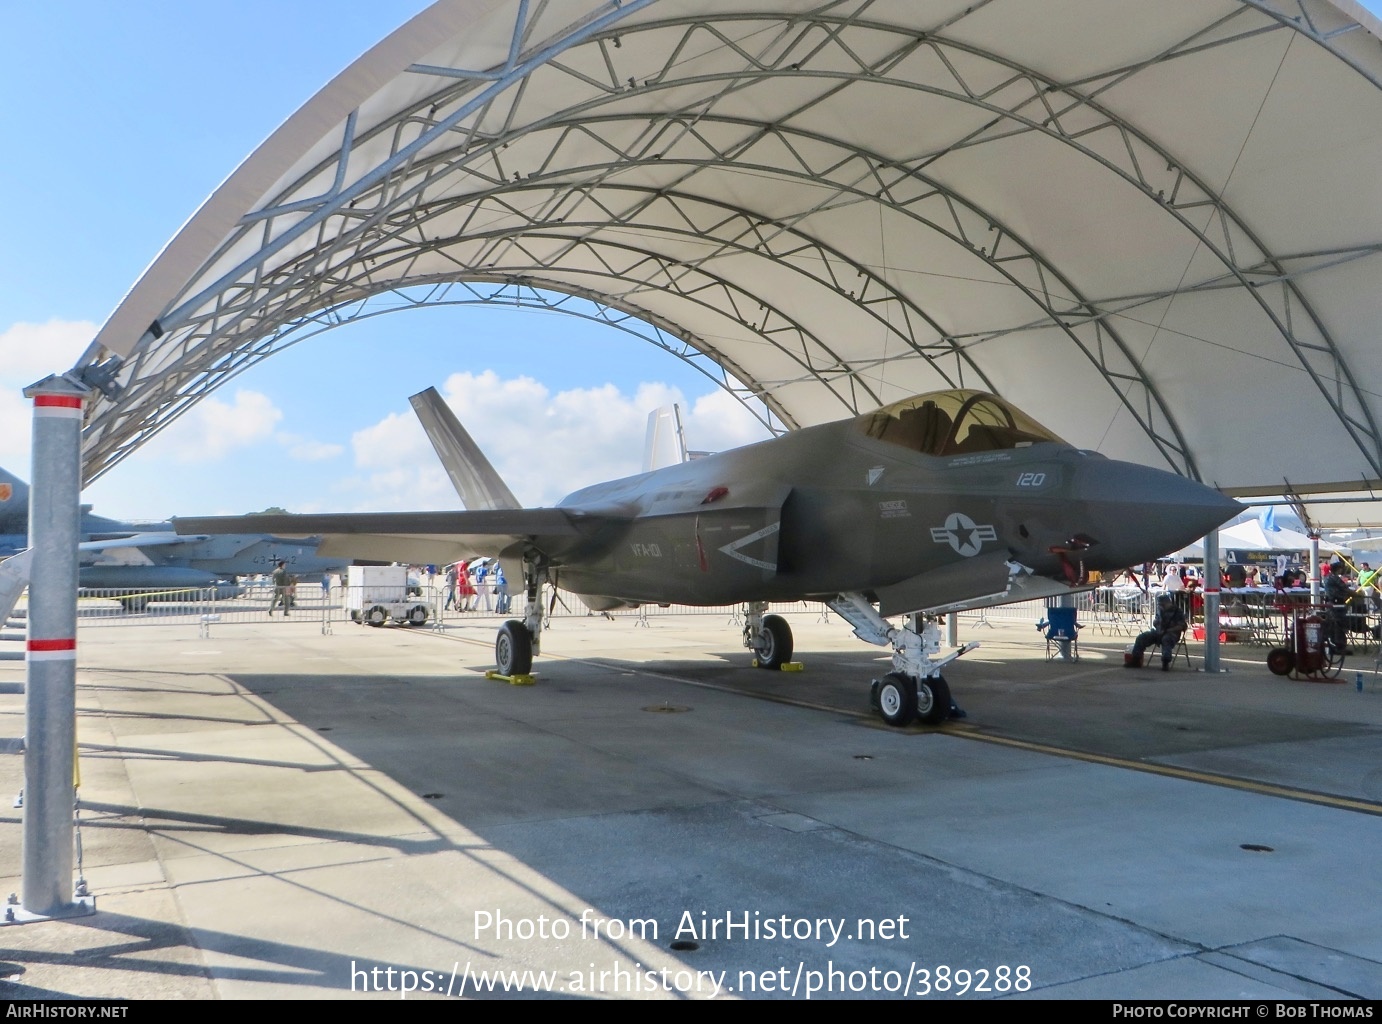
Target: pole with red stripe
(51, 687)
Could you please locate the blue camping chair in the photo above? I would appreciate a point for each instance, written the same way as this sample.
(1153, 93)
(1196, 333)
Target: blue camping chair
(1061, 628)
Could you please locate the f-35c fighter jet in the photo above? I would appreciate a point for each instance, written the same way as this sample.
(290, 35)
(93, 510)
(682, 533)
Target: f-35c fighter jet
(946, 501)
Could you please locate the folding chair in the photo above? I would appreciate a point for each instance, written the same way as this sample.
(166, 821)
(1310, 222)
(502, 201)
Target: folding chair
(1061, 629)
(1182, 649)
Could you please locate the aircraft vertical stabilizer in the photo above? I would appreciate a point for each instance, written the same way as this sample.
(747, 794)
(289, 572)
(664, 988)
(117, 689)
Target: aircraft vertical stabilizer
(475, 480)
(666, 444)
(14, 503)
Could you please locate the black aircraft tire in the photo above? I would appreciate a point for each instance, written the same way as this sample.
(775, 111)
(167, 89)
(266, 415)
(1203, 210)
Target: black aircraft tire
(774, 648)
(376, 616)
(897, 699)
(513, 649)
(933, 700)
(1280, 661)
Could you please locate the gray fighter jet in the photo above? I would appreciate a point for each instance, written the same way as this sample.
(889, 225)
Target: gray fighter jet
(142, 558)
(946, 501)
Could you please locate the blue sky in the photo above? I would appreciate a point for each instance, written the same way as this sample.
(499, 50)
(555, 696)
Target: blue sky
(124, 117)
(118, 120)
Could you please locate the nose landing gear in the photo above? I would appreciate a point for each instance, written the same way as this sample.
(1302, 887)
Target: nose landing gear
(915, 689)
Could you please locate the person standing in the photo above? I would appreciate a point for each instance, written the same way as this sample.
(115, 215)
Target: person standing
(283, 588)
(483, 588)
(465, 590)
(450, 587)
(501, 589)
(1367, 585)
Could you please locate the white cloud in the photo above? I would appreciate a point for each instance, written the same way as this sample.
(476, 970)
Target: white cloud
(212, 429)
(304, 449)
(397, 438)
(718, 421)
(28, 353)
(33, 351)
(543, 444)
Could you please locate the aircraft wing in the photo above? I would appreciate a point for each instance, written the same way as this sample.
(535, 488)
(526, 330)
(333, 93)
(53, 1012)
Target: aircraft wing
(138, 540)
(419, 537)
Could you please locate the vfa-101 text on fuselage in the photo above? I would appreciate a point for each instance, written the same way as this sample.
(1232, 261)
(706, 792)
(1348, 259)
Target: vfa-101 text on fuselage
(950, 500)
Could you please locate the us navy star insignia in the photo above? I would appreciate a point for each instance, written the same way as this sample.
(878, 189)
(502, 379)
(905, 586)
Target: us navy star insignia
(964, 535)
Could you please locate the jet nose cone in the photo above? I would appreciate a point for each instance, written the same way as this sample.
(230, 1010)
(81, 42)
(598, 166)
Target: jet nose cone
(1137, 514)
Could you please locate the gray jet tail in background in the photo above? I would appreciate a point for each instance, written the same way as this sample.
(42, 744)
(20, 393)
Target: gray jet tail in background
(151, 557)
(475, 480)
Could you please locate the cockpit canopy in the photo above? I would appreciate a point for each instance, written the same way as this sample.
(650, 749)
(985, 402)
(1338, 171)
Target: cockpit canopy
(958, 422)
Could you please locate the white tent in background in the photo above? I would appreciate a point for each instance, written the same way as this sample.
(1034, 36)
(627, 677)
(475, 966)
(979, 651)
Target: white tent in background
(1250, 536)
(1189, 553)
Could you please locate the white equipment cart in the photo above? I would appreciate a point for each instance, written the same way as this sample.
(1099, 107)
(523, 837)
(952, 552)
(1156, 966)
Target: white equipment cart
(376, 594)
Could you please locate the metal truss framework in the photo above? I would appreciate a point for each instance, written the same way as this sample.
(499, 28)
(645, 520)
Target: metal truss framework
(514, 294)
(635, 216)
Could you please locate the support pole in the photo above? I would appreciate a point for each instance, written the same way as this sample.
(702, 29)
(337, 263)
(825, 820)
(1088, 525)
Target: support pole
(51, 717)
(1212, 576)
(952, 629)
(1314, 567)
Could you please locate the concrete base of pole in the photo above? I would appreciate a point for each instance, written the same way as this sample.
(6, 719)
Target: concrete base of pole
(82, 906)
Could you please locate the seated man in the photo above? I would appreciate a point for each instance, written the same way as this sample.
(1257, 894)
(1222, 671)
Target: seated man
(1167, 628)
(1336, 595)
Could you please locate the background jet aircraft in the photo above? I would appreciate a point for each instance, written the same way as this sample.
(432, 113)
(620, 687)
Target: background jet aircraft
(151, 556)
(950, 500)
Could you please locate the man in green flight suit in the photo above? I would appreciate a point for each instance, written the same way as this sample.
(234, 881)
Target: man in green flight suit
(284, 584)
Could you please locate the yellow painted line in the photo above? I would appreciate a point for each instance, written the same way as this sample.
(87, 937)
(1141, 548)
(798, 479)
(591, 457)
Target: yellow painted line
(963, 730)
(1187, 774)
(139, 593)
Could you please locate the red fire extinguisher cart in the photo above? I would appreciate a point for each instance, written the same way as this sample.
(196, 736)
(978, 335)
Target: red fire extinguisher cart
(1308, 653)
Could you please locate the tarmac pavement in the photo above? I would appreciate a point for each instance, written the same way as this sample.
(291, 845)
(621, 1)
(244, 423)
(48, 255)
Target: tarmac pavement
(272, 812)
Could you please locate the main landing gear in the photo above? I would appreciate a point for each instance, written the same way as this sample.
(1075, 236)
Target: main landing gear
(768, 636)
(915, 689)
(519, 640)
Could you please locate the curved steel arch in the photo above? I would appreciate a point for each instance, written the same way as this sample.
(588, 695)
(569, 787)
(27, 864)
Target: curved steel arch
(1177, 189)
(978, 231)
(200, 370)
(522, 294)
(1081, 123)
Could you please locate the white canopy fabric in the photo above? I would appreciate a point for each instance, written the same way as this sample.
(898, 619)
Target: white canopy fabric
(1154, 227)
(1250, 536)
(1335, 511)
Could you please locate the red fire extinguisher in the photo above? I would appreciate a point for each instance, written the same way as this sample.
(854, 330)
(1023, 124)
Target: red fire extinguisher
(1309, 644)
